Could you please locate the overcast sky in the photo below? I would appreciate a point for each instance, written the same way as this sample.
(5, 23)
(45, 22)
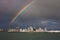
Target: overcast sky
(40, 9)
(44, 9)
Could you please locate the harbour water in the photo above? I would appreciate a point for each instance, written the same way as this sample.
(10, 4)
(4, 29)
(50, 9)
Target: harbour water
(29, 36)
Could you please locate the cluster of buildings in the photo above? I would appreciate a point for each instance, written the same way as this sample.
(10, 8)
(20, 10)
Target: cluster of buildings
(1, 30)
(30, 29)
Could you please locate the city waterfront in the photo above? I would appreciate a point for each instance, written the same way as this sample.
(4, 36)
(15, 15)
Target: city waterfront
(29, 36)
(29, 29)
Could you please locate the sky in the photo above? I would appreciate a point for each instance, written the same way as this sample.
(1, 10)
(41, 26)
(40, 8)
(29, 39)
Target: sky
(45, 13)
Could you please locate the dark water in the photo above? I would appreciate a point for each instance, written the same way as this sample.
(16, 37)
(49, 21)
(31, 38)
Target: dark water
(29, 36)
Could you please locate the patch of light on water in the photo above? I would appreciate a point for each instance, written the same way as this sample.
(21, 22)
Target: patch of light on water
(53, 31)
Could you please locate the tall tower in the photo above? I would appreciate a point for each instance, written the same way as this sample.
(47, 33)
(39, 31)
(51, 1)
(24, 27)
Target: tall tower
(45, 29)
(31, 28)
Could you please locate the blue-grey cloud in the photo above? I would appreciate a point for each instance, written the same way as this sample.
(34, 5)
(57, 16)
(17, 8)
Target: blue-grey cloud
(44, 9)
(47, 10)
(40, 10)
(8, 9)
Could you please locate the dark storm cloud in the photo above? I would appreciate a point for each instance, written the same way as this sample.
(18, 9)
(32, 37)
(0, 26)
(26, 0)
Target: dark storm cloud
(40, 9)
(8, 9)
(11, 5)
(49, 9)
(42, 13)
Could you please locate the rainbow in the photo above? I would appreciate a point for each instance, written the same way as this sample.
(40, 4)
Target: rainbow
(20, 11)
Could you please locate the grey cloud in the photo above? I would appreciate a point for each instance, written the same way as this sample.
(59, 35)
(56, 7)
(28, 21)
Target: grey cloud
(9, 8)
(44, 9)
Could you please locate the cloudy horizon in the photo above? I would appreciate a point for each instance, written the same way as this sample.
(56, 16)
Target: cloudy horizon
(46, 12)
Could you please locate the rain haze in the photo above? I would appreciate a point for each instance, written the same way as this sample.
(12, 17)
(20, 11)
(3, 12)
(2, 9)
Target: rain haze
(41, 13)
